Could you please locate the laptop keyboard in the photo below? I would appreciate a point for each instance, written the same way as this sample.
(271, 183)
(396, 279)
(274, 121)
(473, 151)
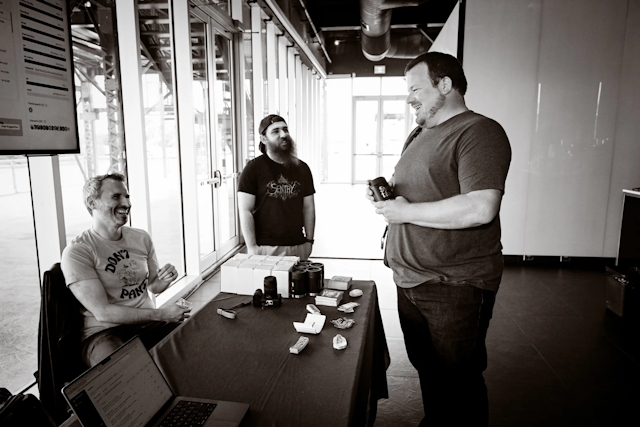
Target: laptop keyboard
(187, 413)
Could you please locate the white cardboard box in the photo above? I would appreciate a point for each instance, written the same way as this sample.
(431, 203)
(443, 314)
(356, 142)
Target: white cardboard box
(245, 279)
(275, 257)
(268, 262)
(241, 256)
(258, 257)
(229, 276)
(259, 273)
(282, 273)
(291, 258)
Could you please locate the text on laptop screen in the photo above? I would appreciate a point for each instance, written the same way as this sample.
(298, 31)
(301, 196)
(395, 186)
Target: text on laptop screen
(125, 391)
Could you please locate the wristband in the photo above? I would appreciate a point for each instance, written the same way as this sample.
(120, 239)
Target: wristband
(310, 241)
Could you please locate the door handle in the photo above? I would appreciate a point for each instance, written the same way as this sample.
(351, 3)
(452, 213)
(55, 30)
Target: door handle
(216, 180)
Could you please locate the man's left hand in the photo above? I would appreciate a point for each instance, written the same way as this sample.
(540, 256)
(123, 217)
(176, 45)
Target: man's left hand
(306, 248)
(394, 211)
(168, 273)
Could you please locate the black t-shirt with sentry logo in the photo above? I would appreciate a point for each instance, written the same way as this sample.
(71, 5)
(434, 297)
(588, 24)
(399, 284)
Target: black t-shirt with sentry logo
(279, 192)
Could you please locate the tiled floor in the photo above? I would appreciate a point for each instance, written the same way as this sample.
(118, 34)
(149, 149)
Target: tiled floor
(556, 356)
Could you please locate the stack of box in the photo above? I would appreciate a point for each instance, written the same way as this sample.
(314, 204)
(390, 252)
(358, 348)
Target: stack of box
(243, 273)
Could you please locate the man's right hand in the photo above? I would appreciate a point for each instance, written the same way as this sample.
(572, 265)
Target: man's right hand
(369, 192)
(175, 313)
(253, 250)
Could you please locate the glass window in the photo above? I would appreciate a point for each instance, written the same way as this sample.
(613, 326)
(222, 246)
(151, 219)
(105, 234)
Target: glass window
(366, 86)
(265, 80)
(225, 153)
(163, 162)
(20, 284)
(99, 111)
(339, 130)
(248, 94)
(394, 86)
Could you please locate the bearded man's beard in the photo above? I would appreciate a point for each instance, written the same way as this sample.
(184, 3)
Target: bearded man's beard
(286, 154)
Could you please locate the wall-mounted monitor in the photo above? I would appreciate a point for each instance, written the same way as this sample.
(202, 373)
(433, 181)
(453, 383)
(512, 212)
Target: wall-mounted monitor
(37, 92)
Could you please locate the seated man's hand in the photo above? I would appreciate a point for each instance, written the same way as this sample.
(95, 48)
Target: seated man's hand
(168, 273)
(175, 313)
(253, 250)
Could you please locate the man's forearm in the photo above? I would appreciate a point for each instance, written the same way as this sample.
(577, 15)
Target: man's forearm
(458, 212)
(309, 222)
(248, 226)
(114, 313)
(158, 286)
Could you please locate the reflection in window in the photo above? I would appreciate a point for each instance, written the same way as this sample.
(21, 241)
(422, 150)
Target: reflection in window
(19, 287)
(163, 165)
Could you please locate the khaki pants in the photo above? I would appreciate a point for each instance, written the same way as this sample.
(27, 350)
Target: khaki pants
(298, 250)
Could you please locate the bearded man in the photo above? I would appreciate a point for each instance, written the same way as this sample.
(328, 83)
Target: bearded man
(444, 244)
(275, 196)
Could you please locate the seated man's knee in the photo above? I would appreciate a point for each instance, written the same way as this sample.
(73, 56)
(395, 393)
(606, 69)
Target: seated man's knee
(99, 347)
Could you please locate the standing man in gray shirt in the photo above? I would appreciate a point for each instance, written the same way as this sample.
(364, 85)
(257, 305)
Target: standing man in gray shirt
(443, 243)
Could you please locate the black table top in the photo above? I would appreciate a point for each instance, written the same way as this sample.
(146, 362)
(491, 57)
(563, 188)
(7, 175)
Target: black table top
(247, 359)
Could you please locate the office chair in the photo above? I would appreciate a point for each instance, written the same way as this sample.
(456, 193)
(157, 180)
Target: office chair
(59, 342)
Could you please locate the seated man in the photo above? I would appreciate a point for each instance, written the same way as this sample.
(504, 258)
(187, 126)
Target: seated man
(111, 268)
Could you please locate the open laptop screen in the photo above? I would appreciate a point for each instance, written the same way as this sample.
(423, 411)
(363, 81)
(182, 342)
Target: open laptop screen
(125, 390)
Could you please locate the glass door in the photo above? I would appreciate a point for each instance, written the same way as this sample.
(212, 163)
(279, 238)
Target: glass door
(365, 138)
(214, 139)
(379, 131)
(225, 174)
(394, 131)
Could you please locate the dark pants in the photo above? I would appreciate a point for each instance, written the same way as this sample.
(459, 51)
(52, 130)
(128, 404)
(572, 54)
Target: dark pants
(445, 327)
(102, 344)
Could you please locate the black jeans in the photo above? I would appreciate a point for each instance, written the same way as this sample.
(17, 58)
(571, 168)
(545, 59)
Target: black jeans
(444, 327)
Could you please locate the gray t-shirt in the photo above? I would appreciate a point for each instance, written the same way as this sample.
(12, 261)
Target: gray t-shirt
(122, 266)
(468, 152)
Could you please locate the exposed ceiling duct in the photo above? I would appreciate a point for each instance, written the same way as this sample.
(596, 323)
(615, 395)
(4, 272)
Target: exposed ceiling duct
(375, 22)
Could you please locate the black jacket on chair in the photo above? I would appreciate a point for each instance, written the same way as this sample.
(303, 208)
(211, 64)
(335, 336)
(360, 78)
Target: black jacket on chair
(59, 343)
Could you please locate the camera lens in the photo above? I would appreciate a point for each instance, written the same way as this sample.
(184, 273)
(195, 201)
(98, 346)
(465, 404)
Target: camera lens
(299, 280)
(315, 280)
(270, 287)
(381, 189)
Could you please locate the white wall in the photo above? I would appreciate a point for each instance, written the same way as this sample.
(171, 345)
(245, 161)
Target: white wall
(550, 71)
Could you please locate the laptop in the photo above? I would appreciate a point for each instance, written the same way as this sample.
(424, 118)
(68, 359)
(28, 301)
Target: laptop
(127, 389)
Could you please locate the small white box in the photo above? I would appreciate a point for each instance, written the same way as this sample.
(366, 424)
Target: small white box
(258, 257)
(245, 279)
(241, 256)
(259, 273)
(268, 262)
(289, 263)
(282, 273)
(252, 262)
(229, 276)
(291, 258)
(275, 257)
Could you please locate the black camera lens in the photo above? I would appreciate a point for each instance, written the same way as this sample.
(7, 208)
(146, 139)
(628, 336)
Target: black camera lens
(315, 280)
(270, 286)
(381, 189)
(299, 279)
